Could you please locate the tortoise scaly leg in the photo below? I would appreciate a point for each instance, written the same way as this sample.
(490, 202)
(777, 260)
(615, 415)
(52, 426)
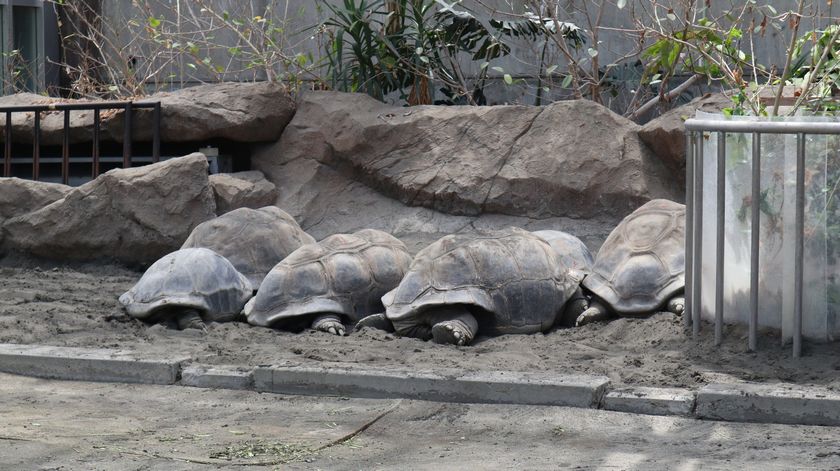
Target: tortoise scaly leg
(575, 306)
(190, 319)
(329, 323)
(376, 321)
(677, 305)
(457, 326)
(597, 312)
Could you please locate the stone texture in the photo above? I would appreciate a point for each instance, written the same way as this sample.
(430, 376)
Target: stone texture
(88, 364)
(347, 162)
(571, 158)
(18, 196)
(217, 377)
(499, 387)
(769, 403)
(242, 190)
(665, 135)
(240, 112)
(650, 401)
(132, 215)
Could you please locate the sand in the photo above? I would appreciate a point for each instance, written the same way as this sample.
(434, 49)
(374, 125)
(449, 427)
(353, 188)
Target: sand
(77, 306)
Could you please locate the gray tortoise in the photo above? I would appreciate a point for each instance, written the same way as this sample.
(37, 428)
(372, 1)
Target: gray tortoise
(187, 288)
(254, 240)
(641, 266)
(574, 253)
(326, 285)
(500, 282)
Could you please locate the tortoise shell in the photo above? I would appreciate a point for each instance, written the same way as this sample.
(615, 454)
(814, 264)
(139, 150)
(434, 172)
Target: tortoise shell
(642, 263)
(512, 280)
(254, 240)
(571, 250)
(344, 274)
(189, 278)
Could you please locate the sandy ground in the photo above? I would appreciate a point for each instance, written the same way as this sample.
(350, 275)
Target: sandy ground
(123, 427)
(77, 306)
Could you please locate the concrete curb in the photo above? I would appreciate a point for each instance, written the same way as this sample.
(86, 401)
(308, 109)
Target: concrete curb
(87, 364)
(650, 401)
(217, 377)
(768, 403)
(740, 402)
(489, 387)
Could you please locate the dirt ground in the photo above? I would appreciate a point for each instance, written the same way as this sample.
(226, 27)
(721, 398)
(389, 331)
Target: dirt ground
(126, 427)
(130, 427)
(77, 306)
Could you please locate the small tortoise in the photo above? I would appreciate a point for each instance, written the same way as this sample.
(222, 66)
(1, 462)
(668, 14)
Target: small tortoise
(254, 240)
(500, 282)
(188, 287)
(641, 266)
(337, 281)
(574, 253)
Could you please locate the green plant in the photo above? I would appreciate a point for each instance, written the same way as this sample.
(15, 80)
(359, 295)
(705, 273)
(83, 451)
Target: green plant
(410, 46)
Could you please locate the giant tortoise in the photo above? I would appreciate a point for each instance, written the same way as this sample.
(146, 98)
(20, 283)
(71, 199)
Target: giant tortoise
(500, 282)
(254, 240)
(187, 288)
(326, 285)
(574, 253)
(641, 266)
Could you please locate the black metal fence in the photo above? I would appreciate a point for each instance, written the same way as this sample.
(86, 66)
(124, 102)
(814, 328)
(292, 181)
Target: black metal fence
(127, 106)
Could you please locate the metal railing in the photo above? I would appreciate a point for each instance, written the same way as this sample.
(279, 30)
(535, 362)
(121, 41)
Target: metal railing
(127, 106)
(694, 217)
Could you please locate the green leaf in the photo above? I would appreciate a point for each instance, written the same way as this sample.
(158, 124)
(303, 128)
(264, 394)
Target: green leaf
(154, 22)
(592, 52)
(621, 4)
(508, 79)
(550, 70)
(567, 81)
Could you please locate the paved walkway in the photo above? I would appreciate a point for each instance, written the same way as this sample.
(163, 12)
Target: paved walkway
(66, 425)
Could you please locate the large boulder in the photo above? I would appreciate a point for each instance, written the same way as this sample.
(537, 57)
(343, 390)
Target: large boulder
(19, 196)
(437, 169)
(239, 112)
(665, 135)
(132, 215)
(571, 158)
(242, 190)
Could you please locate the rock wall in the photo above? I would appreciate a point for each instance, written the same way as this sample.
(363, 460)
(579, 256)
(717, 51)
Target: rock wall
(134, 215)
(239, 112)
(347, 161)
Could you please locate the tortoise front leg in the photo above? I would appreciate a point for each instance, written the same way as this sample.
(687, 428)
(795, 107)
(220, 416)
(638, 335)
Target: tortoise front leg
(376, 321)
(329, 323)
(677, 305)
(190, 319)
(575, 306)
(597, 312)
(454, 326)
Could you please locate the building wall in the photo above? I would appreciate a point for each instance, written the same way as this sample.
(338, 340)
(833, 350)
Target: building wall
(521, 63)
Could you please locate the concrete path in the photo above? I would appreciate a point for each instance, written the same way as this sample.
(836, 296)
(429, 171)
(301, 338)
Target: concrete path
(67, 425)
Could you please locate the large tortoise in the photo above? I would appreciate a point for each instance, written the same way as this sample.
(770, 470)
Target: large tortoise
(500, 282)
(571, 250)
(326, 285)
(254, 240)
(187, 288)
(575, 254)
(641, 266)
